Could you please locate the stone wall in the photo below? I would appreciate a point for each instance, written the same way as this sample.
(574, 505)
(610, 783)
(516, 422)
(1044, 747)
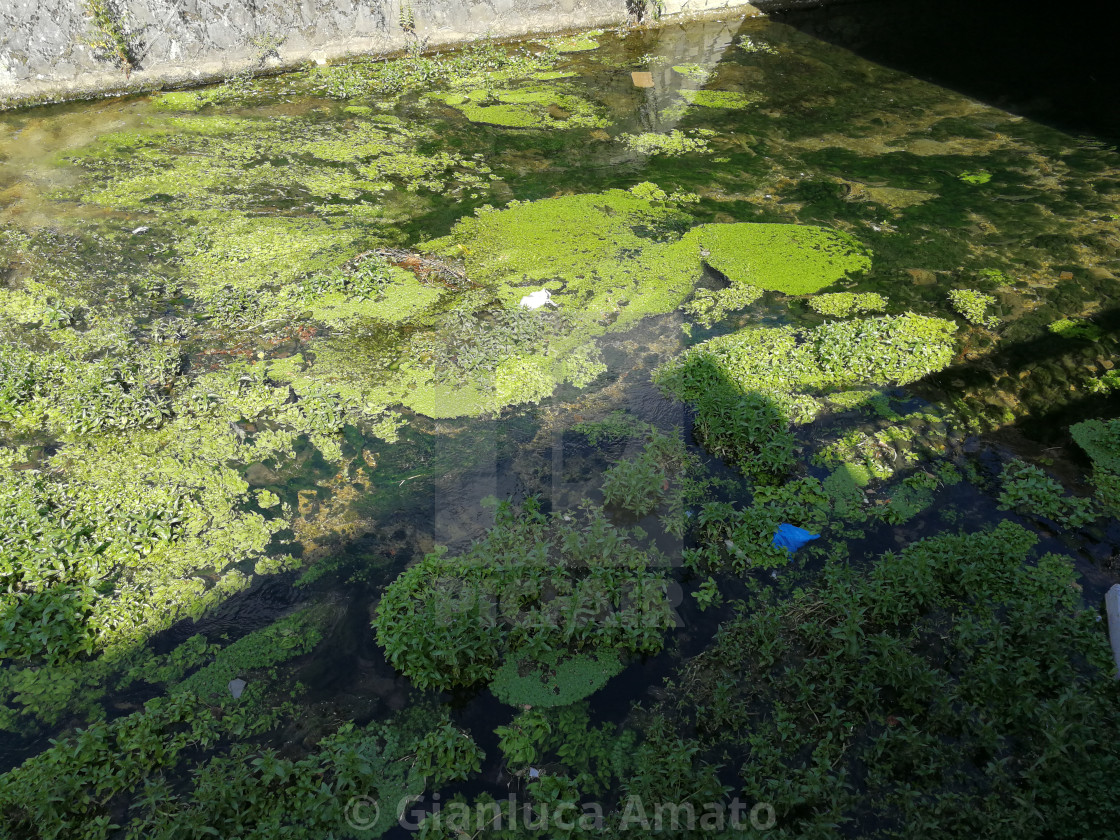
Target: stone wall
(45, 52)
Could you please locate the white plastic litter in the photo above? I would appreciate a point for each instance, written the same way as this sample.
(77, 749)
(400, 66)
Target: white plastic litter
(236, 687)
(1112, 610)
(537, 299)
(142, 229)
(534, 773)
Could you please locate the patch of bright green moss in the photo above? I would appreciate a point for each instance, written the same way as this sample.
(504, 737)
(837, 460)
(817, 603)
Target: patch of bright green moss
(719, 98)
(692, 71)
(793, 259)
(792, 366)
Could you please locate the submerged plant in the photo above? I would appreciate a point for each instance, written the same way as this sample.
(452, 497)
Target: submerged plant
(973, 306)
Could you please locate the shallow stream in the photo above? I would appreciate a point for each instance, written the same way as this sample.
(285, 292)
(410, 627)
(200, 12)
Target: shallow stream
(263, 351)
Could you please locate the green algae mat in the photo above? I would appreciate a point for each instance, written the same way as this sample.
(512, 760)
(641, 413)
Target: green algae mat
(398, 445)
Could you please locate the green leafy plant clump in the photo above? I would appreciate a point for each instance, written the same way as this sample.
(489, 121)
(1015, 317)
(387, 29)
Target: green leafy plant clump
(674, 144)
(843, 304)
(535, 106)
(1076, 328)
(707, 306)
(556, 678)
(1030, 490)
(973, 306)
(749, 386)
(960, 685)
(534, 585)
(1101, 441)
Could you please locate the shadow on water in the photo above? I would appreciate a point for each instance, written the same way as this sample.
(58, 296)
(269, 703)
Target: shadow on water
(1057, 67)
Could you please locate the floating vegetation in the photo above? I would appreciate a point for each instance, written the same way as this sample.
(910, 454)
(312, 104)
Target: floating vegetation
(707, 306)
(529, 107)
(674, 144)
(1076, 328)
(792, 259)
(718, 98)
(554, 678)
(843, 304)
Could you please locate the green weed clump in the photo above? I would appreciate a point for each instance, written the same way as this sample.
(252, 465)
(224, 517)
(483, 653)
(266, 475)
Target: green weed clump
(719, 98)
(664, 476)
(707, 306)
(674, 144)
(534, 585)
(741, 538)
(959, 685)
(843, 304)
(1076, 328)
(533, 106)
(749, 386)
(1101, 441)
(792, 259)
(973, 306)
(1030, 490)
(557, 678)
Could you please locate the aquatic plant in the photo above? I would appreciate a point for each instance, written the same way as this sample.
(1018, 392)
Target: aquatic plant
(1030, 490)
(452, 620)
(973, 306)
(944, 661)
(719, 98)
(1101, 441)
(755, 46)
(707, 306)
(975, 178)
(533, 106)
(447, 754)
(843, 304)
(792, 259)
(741, 538)
(708, 594)
(750, 385)
(674, 144)
(1076, 328)
(556, 678)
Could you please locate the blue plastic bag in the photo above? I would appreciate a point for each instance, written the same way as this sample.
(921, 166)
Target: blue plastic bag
(791, 538)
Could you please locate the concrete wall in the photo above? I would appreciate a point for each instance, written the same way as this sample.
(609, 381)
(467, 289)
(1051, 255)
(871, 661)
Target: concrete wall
(45, 53)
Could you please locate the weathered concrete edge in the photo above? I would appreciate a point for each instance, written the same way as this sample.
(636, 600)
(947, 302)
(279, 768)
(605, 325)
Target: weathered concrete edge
(112, 82)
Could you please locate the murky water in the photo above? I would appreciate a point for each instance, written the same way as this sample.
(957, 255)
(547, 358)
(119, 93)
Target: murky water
(194, 221)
